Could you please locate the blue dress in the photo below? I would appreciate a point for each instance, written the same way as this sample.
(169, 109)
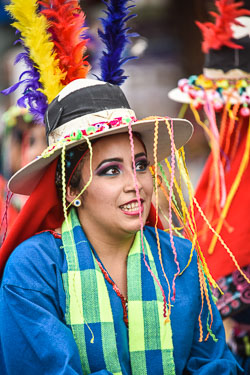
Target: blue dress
(34, 336)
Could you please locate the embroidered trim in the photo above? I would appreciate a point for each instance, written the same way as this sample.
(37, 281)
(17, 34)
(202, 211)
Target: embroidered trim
(93, 129)
(236, 296)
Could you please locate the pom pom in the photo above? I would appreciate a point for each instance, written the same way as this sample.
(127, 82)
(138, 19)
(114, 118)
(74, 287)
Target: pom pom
(245, 111)
(218, 106)
(197, 104)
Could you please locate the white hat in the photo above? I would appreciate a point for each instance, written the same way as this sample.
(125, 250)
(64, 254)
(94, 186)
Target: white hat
(94, 109)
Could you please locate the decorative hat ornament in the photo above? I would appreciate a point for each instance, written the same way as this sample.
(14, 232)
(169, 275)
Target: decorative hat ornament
(222, 92)
(226, 72)
(69, 120)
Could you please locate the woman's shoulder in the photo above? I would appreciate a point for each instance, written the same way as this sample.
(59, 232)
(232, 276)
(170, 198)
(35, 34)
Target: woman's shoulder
(36, 247)
(35, 258)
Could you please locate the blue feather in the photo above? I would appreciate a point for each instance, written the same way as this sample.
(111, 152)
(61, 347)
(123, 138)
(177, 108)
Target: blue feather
(32, 97)
(115, 36)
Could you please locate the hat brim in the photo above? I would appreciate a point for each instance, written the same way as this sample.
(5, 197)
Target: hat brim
(181, 97)
(178, 96)
(26, 179)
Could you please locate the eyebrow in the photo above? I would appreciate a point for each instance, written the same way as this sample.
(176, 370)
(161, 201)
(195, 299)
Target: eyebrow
(119, 159)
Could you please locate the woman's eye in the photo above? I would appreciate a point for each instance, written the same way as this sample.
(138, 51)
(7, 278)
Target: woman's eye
(110, 171)
(141, 165)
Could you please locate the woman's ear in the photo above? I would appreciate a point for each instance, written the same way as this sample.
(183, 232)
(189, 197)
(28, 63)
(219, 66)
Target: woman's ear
(70, 194)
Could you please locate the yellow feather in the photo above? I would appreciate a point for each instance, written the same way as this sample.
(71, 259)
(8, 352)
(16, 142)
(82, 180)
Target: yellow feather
(33, 27)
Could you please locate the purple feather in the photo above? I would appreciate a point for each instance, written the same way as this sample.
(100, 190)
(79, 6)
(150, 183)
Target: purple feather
(115, 36)
(32, 98)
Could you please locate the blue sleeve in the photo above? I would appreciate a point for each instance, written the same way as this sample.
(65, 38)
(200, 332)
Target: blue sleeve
(211, 357)
(34, 338)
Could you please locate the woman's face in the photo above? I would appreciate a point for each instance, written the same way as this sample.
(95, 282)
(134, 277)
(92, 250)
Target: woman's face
(110, 205)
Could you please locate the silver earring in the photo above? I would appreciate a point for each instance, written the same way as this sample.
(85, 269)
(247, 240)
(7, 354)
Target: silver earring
(77, 203)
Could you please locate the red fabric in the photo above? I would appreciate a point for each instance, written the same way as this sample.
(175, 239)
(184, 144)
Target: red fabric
(237, 234)
(152, 218)
(40, 214)
(37, 215)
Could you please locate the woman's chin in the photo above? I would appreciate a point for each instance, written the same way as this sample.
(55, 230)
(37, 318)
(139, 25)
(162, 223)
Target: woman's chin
(135, 226)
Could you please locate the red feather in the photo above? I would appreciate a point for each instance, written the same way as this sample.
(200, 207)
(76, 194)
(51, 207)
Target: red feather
(66, 21)
(220, 33)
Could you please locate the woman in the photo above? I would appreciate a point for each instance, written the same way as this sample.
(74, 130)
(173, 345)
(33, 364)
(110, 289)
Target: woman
(91, 295)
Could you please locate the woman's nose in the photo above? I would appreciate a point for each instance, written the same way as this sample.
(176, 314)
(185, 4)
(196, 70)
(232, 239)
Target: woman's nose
(129, 184)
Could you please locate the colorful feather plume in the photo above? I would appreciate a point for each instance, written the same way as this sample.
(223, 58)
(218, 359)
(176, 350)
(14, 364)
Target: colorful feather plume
(115, 36)
(52, 37)
(33, 27)
(220, 34)
(66, 20)
(32, 95)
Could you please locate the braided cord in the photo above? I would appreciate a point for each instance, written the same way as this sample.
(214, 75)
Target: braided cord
(140, 217)
(221, 241)
(223, 124)
(242, 168)
(156, 221)
(236, 137)
(194, 234)
(231, 127)
(171, 135)
(202, 300)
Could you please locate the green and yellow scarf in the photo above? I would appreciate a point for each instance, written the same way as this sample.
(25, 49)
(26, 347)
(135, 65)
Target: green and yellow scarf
(88, 309)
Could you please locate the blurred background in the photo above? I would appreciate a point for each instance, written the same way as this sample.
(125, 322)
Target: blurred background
(167, 46)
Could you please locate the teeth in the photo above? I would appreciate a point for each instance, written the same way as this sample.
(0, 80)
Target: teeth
(130, 207)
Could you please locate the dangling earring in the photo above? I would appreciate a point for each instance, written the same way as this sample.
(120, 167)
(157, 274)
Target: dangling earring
(77, 203)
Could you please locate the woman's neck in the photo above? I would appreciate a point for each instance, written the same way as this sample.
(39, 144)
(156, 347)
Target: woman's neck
(110, 246)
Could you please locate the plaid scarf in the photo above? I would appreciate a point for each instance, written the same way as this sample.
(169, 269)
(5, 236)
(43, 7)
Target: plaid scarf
(88, 308)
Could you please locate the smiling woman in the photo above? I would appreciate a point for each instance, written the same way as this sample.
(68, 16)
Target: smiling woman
(86, 288)
(112, 189)
(110, 213)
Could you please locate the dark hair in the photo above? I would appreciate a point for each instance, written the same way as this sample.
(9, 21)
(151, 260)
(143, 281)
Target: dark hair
(73, 169)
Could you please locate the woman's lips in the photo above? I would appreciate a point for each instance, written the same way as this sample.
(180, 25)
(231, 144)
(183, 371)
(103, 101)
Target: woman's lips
(132, 208)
